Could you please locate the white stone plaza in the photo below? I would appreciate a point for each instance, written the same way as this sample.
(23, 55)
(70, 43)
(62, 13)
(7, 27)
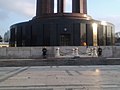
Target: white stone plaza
(60, 78)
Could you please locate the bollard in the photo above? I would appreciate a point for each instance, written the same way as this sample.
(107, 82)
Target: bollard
(99, 51)
(44, 52)
(92, 52)
(58, 52)
(95, 52)
(76, 52)
(88, 51)
(73, 52)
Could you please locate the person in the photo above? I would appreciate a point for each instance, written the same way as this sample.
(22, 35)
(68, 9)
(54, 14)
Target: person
(44, 52)
(99, 51)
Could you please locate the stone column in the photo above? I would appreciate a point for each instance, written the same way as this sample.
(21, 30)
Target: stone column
(85, 6)
(60, 6)
(75, 6)
(50, 7)
(44, 7)
(79, 6)
(38, 8)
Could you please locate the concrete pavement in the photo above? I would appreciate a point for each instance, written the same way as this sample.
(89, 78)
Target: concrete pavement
(59, 62)
(60, 78)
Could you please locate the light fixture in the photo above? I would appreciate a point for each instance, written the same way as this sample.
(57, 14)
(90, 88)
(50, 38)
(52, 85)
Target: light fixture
(65, 29)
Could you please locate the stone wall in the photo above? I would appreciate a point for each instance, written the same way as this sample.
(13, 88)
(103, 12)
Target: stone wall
(116, 51)
(24, 52)
(107, 51)
(36, 52)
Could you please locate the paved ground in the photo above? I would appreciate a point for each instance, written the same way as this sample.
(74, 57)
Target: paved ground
(60, 78)
(76, 61)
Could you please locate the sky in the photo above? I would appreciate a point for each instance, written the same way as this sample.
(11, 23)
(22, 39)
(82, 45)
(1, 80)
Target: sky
(15, 11)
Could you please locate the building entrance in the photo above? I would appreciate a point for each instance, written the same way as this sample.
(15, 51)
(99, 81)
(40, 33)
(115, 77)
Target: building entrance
(65, 39)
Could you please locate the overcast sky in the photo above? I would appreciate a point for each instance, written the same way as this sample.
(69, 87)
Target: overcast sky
(15, 11)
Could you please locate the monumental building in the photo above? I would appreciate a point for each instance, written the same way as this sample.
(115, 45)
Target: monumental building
(48, 28)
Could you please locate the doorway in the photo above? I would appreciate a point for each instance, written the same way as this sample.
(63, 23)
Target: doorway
(65, 39)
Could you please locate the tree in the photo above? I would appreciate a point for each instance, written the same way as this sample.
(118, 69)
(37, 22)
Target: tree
(1, 39)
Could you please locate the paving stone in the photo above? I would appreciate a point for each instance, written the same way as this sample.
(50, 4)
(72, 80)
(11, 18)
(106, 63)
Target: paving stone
(60, 78)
